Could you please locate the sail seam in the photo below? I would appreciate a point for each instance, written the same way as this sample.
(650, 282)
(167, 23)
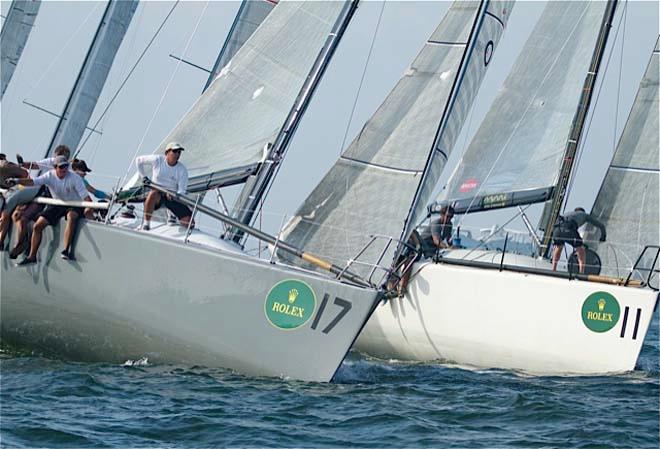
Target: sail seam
(636, 169)
(380, 166)
(452, 44)
(488, 13)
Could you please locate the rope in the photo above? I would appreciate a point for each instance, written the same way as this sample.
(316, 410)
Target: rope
(167, 87)
(130, 73)
(618, 88)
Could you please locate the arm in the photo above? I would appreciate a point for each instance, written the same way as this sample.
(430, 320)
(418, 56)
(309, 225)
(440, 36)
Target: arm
(40, 164)
(145, 164)
(182, 186)
(94, 191)
(599, 225)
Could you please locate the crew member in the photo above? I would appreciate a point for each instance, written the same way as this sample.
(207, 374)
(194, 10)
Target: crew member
(566, 231)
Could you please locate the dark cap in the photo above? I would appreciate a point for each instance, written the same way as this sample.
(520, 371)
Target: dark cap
(60, 160)
(80, 165)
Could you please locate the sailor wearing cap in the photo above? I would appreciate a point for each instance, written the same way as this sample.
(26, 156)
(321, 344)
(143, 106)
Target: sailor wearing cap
(168, 172)
(63, 185)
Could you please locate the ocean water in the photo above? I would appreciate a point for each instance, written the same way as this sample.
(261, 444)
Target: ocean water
(373, 403)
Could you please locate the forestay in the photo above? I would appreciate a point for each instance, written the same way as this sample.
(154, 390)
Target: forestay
(371, 187)
(250, 15)
(628, 200)
(242, 111)
(515, 156)
(93, 74)
(15, 32)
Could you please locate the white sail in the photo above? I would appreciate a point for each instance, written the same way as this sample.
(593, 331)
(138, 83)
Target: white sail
(250, 15)
(93, 74)
(628, 200)
(514, 157)
(15, 33)
(372, 186)
(243, 110)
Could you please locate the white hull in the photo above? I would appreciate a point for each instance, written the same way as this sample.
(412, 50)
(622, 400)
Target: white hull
(136, 294)
(490, 319)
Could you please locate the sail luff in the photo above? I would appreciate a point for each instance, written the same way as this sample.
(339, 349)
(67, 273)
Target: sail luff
(628, 200)
(248, 18)
(254, 191)
(577, 128)
(15, 33)
(93, 74)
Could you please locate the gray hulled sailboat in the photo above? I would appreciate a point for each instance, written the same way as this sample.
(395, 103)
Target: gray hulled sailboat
(15, 33)
(178, 296)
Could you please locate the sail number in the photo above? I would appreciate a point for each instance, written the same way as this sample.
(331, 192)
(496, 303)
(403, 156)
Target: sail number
(342, 308)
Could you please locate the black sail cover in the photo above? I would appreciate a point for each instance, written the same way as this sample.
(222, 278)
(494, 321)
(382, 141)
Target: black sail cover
(372, 187)
(627, 203)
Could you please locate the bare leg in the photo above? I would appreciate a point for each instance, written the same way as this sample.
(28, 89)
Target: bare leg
(69, 231)
(37, 231)
(149, 204)
(556, 254)
(89, 213)
(582, 257)
(186, 220)
(5, 220)
(21, 227)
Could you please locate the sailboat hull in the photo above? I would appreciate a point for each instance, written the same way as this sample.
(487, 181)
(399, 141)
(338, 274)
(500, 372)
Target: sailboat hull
(498, 319)
(132, 295)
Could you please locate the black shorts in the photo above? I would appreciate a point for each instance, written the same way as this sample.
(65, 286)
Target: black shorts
(53, 214)
(178, 209)
(566, 233)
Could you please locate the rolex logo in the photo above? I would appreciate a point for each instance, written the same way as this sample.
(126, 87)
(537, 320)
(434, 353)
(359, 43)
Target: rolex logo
(293, 294)
(601, 304)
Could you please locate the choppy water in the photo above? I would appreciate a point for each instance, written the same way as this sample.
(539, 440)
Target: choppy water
(52, 403)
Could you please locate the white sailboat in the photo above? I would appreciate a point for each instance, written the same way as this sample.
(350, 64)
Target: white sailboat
(482, 309)
(186, 296)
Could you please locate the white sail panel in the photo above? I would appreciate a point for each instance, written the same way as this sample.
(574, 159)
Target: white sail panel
(243, 110)
(629, 198)
(93, 74)
(520, 143)
(371, 188)
(14, 36)
(250, 15)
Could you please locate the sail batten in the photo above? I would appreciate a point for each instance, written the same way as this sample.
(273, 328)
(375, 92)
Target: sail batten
(520, 144)
(374, 197)
(93, 74)
(15, 33)
(629, 197)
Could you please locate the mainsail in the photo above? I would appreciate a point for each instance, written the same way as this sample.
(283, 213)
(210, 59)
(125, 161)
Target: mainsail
(250, 15)
(14, 35)
(628, 200)
(91, 78)
(371, 187)
(515, 156)
(231, 125)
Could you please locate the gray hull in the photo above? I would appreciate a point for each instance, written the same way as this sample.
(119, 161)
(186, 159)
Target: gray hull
(131, 295)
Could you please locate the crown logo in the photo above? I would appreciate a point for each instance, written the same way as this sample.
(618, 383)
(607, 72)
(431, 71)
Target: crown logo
(293, 294)
(601, 304)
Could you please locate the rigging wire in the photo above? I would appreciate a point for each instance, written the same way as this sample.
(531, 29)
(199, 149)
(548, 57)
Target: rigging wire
(130, 73)
(618, 88)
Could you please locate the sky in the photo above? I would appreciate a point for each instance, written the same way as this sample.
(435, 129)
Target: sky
(162, 89)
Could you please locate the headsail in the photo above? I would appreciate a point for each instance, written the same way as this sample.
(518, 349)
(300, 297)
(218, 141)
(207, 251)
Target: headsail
(628, 200)
(515, 156)
(91, 78)
(232, 123)
(371, 187)
(250, 15)
(15, 33)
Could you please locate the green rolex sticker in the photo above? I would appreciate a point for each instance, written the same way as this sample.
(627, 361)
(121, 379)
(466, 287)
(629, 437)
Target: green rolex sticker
(290, 304)
(600, 312)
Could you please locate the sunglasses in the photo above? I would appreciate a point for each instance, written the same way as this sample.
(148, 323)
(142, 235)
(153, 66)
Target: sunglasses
(63, 166)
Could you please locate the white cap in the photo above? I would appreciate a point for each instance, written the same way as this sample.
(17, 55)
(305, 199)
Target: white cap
(173, 146)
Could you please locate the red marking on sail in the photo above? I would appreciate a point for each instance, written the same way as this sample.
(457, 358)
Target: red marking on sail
(468, 185)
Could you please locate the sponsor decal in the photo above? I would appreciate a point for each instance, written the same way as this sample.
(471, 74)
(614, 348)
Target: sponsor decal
(600, 312)
(290, 304)
(468, 185)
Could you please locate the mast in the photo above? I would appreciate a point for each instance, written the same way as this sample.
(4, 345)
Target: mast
(93, 74)
(576, 130)
(15, 33)
(256, 186)
(248, 18)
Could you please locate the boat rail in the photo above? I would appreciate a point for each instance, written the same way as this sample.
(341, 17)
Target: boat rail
(653, 269)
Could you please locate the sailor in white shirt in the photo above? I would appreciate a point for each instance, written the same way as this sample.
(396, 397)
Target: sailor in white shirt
(168, 172)
(63, 185)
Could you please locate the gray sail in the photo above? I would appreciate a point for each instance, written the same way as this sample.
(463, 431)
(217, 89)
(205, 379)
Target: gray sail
(514, 157)
(91, 78)
(371, 187)
(15, 33)
(232, 123)
(628, 200)
(250, 15)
